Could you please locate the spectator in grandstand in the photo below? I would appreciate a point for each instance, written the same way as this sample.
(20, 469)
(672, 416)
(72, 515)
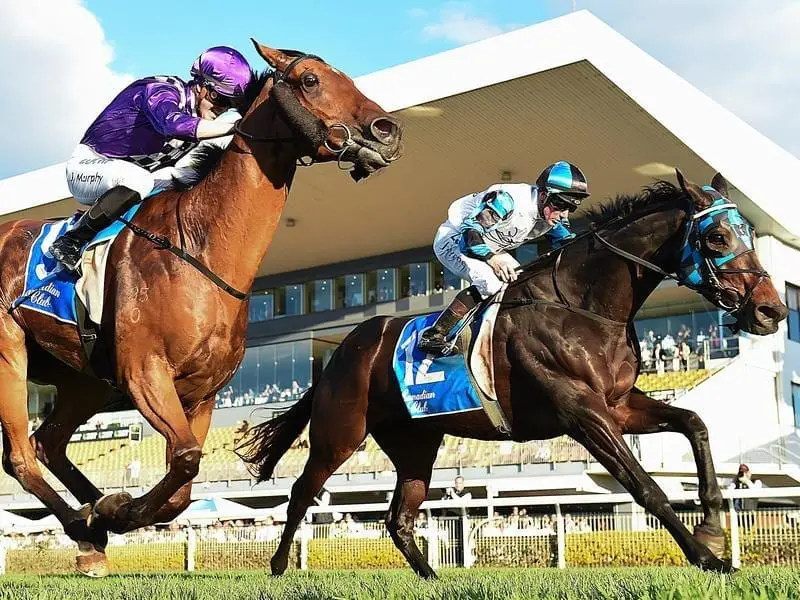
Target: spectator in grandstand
(713, 336)
(512, 522)
(457, 492)
(582, 526)
(351, 527)
(684, 334)
(267, 531)
(658, 353)
(646, 354)
(132, 472)
(744, 481)
(525, 520)
(684, 352)
(421, 521)
(570, 526)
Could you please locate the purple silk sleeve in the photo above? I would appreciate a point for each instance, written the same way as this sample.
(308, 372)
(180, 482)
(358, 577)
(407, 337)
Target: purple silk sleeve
(161, 105)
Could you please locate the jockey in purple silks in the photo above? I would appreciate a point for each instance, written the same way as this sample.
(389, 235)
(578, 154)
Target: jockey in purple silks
(146, 139)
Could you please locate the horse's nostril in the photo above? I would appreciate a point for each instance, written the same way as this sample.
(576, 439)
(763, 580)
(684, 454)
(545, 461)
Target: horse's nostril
(770, 313)
(384, 129)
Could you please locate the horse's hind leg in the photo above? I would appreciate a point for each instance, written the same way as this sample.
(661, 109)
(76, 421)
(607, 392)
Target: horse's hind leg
(335, 435)
(603, 438)
(646, 415)
(19, 458)
(414, 463)
(79, 397)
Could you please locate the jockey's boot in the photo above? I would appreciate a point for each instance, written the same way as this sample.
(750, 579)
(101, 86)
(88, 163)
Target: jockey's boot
(67, 248)
(434, 339)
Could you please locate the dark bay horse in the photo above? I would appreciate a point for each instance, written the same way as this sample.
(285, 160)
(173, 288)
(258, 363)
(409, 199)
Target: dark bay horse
(566, 358)
(177, 336)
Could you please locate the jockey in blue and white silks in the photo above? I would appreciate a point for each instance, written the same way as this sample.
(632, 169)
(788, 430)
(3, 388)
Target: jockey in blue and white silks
(145, 140)
(481, 229)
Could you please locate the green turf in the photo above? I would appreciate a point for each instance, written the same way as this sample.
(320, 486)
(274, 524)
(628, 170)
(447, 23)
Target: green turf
(479, 584)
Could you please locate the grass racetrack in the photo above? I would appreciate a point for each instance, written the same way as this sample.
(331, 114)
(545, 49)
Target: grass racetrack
(454, 584)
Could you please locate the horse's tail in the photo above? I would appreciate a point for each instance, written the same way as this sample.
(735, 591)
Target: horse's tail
(263, 445)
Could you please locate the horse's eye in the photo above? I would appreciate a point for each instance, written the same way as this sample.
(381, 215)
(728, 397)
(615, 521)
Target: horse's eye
(717, 239)
(310, 80)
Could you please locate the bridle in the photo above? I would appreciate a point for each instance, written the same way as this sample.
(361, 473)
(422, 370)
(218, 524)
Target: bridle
(340, 151)
(699, 271)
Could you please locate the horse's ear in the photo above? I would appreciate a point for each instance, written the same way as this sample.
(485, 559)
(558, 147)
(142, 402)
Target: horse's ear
(700, 199)
(720, 184)
(275, 58)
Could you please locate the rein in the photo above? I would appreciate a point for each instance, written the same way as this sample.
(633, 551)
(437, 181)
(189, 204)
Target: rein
(713, 287)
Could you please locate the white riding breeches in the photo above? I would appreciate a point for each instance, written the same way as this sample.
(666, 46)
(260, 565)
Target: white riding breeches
(90, 175)
(476, 271)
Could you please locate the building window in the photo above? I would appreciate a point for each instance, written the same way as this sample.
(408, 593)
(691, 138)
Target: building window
(262, 306)
(273, 373)
(321, 295)
(354, 290)
(796, 403)
(386, 285)
(419, 279)
(294, 300)
(793, 303)
(444, 280)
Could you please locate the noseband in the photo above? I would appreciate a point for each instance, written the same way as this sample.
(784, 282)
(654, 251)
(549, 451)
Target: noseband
(340, 150)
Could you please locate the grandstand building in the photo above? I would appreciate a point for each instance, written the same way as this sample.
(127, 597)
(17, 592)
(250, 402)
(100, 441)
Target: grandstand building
(496, 110)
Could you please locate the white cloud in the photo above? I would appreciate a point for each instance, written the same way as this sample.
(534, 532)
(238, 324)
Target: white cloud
(456, 23)
(743, 54)
(54, 81)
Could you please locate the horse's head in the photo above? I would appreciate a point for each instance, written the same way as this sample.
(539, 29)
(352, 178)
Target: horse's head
(330, 119)
(719, 259)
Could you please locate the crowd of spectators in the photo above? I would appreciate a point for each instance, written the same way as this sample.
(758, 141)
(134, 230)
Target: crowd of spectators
(684, 351)
(228, 397)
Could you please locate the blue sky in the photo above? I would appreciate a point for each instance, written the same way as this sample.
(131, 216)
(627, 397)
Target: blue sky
(70, 57)
(165, 37)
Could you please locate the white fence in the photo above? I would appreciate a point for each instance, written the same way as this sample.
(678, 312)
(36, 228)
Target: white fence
(553, 531)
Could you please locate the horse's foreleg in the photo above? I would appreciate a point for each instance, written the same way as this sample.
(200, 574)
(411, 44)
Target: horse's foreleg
(646, 415)
(414, 464)
(603, 438)
(152, 390)
(199, 421)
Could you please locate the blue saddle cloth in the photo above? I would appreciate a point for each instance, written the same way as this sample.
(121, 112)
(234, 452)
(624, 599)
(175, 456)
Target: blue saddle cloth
(431, 385)
(49, 287)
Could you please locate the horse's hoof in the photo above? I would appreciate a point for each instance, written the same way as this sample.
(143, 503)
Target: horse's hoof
(90, 561)
(715, 543)
(712, 563)
(278, 567)
(110, 512)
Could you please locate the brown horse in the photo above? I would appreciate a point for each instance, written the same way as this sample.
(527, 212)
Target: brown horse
(177, 336)
(565, 358)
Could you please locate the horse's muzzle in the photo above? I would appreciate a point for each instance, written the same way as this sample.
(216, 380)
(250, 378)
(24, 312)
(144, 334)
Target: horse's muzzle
(378, 148)
(763, 319)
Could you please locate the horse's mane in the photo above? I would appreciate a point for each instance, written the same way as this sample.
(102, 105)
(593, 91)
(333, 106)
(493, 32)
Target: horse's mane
(625, 205)
(619, 207)
(208, 157)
